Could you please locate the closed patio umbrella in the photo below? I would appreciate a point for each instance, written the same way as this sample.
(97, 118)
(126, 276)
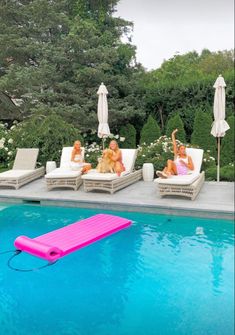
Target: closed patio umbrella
(103, 128)
(219, 126)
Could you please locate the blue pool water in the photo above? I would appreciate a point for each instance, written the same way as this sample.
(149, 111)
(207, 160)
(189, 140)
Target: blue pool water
(163, 275)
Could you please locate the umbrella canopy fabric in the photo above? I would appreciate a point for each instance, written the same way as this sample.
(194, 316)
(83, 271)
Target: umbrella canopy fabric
(219, 126)
(103, 128)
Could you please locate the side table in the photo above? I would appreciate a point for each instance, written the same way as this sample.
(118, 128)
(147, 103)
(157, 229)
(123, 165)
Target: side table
(50, 166)
(148, 172)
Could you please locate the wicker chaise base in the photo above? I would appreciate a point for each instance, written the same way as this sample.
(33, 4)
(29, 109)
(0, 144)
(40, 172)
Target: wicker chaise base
(18, 182)
(74, 183)
(189, 191)
(112, 186)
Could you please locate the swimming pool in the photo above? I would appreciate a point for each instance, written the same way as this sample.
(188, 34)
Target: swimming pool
(163, 275)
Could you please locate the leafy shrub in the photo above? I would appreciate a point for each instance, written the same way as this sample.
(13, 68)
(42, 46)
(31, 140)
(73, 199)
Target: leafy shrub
(129, 133)
(92, 152)
(161, 150)
(208, 160)
(150, 131)
(201, 135)
(4, 151)
(226, 173)
(156, 153)
(50, 134)
(175, 122)
(227, 146)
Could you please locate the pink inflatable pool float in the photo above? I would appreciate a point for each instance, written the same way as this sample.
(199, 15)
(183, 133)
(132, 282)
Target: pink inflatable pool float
(60, 242)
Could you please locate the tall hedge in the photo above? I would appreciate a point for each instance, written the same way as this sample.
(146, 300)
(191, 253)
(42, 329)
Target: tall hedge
(128, 131)
(150, 131)
(173, 123)
(50, 134)
(201, 135)
(227, 147)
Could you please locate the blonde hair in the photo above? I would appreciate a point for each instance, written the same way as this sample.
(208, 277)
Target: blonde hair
(75, 142)
(114, 141)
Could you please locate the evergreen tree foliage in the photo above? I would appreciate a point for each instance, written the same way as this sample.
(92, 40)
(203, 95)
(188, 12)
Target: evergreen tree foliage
(175, 122)
(150, 131)
(128, 131)
(227, 147)
(201, 135)
(55, 54)
(184, 83)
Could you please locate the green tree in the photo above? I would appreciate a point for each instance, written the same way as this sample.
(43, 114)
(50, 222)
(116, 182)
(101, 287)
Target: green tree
(129, 133)
(55, 54)
(184, 83)
(175, 122)
(50, 134)
(201, 135)
(150, 131)
(227, 147)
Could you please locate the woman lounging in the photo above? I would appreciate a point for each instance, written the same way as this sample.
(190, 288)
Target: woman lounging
(182, 163)
(77, 161)
(111, 160)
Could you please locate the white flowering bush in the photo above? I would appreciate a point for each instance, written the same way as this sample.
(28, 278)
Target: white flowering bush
(161, 150)
(6, 144)
(92, 152)
(157, 153)
(49, 134)
(208, 160)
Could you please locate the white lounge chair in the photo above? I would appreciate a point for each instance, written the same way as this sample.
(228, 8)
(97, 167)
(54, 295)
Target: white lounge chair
(110, 182)
(23, 170)
(64, 176)
(188, 185)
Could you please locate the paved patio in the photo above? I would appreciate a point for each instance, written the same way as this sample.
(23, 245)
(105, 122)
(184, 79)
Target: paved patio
(215, 200)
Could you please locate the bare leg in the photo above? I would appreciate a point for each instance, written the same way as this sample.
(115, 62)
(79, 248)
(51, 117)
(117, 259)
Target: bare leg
(86, 168)
(169, 170)
(118, 168)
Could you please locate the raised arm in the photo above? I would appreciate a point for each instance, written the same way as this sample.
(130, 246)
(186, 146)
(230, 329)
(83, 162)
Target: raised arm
(174, 142)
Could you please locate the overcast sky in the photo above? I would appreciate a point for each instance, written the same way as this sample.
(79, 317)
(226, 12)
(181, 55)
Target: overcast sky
(164, 27)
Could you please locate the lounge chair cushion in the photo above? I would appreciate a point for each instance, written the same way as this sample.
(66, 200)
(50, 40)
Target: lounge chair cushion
(196, 155)
(65, 159)
(15, 174)
(25, 159)
(178, 180)
(128, 158)
(63, 173)
(94, 175)
(65, 170)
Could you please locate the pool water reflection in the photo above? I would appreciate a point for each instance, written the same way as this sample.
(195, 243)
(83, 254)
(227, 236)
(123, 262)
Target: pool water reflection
(163, 275)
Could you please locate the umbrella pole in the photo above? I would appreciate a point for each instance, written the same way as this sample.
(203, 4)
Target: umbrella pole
(218, 161)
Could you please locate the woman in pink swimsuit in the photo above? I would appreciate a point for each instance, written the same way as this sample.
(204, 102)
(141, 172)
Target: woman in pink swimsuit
(181, 164)
(117, 157)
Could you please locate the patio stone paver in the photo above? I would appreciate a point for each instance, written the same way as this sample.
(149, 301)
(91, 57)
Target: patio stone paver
(214, 200)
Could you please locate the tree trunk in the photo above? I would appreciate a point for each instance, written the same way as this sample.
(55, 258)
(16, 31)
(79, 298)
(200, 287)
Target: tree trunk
(160, 110)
